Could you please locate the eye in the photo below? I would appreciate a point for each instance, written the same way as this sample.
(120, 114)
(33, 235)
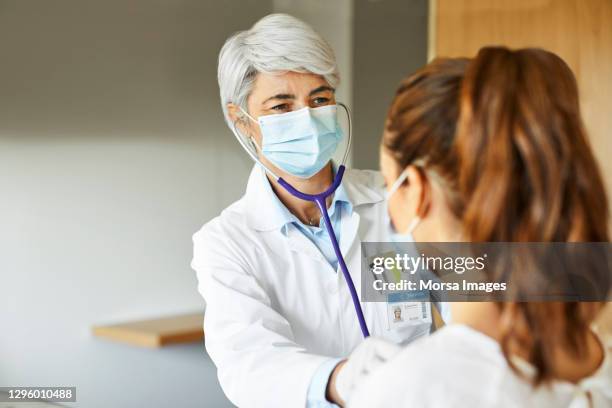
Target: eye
(281, 107)
(321, 100)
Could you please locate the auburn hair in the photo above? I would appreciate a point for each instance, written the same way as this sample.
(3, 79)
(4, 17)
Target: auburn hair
(504, 135)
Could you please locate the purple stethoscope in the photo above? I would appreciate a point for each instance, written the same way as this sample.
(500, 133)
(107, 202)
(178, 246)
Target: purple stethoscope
(319, 199)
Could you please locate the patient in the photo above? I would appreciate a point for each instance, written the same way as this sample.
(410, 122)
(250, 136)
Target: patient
(512, 163)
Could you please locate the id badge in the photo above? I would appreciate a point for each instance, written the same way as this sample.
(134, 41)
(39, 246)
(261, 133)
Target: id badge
(403, 309)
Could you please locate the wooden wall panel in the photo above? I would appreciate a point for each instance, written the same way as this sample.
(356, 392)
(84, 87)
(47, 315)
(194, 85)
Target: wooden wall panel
(580, 31)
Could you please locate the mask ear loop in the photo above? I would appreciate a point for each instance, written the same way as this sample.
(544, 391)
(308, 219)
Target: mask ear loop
(250, 150)
(250, 138)
(413, 224)
(397, 183)
(247, 114)
(419, 164)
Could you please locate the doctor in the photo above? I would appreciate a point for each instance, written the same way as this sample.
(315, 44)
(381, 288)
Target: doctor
(279, 317)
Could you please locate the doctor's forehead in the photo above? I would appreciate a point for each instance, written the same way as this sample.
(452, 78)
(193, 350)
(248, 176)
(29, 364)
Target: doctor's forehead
(287, 84)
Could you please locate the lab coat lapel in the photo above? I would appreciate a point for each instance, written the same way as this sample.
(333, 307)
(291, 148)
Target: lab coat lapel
(360, 192)
(264, 211)
(299, 243)
(349, 228)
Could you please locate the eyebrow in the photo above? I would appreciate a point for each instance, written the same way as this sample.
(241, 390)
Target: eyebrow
(315, 91)
(322, 88)
(280, 96)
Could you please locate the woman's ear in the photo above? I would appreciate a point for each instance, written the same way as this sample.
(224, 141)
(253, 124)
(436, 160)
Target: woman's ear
(234, 112)
(238, 117)
(417, 192)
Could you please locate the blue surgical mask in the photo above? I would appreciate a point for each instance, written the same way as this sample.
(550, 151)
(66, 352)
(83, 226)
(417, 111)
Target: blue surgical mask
(405, 236)
(300, 142)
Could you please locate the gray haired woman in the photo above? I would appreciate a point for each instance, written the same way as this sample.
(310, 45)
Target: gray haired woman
(279, 318)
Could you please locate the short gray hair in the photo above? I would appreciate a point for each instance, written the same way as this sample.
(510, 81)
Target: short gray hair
(276, 43)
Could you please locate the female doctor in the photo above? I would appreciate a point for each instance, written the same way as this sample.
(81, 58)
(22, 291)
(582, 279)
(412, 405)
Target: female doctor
(279, 316)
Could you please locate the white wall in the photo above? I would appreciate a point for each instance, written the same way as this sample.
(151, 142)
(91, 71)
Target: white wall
(99, 231)
(113, 152)
(390, 42)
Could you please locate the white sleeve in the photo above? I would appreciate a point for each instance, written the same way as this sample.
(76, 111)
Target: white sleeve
(259, 364)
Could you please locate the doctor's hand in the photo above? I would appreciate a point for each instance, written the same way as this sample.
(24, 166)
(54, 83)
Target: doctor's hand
(365, 359)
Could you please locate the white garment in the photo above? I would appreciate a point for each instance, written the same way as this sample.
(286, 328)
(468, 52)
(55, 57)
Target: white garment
(372, 353)
(460, 367)
(275, 308)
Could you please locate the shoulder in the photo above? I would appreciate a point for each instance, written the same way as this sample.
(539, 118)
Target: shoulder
(401, 381)
(441, 356)
(365, 188)
(225, 234)
(230, 219)
(369, 178)
(388, 385)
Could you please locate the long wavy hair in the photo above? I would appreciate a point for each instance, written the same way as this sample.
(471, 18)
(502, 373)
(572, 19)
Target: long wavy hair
(504, 135)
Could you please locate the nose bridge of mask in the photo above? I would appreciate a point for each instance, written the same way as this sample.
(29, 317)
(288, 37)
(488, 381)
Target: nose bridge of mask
(281, 128)
(307, 131)
(284, 127)
(289, 127)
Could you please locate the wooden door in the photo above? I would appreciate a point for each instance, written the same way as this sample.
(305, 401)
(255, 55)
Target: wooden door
(579, 31)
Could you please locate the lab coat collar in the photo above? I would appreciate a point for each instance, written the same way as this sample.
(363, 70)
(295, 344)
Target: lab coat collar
(264, 214)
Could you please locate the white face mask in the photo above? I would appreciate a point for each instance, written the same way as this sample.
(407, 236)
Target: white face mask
(397, 236)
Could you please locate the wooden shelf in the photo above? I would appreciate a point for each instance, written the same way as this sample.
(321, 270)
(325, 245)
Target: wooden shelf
(153, 333)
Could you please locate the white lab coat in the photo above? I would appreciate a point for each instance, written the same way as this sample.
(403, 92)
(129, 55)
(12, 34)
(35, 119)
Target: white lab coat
(275, 308)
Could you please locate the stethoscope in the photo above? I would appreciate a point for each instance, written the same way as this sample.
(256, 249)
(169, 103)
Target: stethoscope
(319, 199)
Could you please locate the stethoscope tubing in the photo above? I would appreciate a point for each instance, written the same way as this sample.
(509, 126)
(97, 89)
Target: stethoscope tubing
(320, 200)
